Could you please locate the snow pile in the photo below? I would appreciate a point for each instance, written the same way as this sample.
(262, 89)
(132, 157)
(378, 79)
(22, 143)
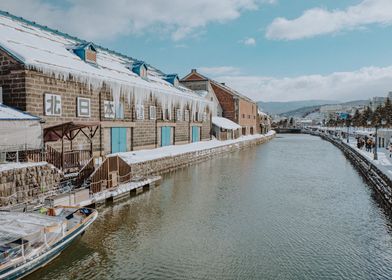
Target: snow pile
(18, 165)
(225, 123)
(168, 151)
(51, 52)
(8, 113)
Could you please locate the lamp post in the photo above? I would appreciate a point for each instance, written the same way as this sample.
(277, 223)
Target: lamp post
(348, 123)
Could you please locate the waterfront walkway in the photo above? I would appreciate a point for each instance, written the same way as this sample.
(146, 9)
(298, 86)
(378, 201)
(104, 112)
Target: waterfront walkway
(384, 162)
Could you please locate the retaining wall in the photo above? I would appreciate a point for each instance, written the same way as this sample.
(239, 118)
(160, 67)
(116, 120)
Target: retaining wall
(168, 164)
(24, 184)
(377, 179)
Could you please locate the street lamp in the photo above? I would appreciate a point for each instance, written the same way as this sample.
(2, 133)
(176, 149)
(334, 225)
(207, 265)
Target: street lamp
(348, 123)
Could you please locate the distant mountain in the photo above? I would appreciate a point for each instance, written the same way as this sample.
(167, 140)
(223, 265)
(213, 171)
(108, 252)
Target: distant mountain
(356, 103)
(305, 111)
(302, 112)
(275, 108)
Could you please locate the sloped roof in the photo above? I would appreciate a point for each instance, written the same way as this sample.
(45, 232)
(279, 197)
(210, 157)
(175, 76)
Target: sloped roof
(11, 114)
(222, 86)
(224, 123)
(50, 51)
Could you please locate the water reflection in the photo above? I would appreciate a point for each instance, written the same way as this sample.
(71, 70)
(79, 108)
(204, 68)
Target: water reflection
(294, 208)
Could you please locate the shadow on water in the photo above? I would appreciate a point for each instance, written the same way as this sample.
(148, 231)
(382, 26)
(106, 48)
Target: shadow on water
(294, 208)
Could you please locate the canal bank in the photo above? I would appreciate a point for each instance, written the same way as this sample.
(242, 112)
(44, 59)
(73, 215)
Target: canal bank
(377, 178)
(292, 208)
(167, 159)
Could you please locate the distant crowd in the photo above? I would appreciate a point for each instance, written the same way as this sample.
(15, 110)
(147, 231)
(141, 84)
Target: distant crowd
(369, 144)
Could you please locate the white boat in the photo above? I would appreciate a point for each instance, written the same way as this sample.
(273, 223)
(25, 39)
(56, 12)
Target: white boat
(29, 241)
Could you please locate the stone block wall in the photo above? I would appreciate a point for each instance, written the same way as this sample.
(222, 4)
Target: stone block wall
(168, 164)
(27, 183)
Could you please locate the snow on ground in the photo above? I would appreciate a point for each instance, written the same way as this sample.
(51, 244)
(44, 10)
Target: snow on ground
(384, 162)
(174, 150)
(18, 165)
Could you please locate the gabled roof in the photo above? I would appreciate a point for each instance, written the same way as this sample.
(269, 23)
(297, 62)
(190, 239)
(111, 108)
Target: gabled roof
(44, 49)
(11, 114)
(215, 83)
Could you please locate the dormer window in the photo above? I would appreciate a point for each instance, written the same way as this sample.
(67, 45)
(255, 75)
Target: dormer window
(86, 52)
(140, 68)
(173, 79)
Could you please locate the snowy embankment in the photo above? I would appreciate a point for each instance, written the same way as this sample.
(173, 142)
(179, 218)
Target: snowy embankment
(175, 150)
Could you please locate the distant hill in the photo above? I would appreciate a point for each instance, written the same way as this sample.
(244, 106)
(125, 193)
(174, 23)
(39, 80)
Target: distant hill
(275, 108)
(305, 111)
(302, 112)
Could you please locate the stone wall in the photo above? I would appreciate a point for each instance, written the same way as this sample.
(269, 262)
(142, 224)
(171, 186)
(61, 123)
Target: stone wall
(27, 183)
(167, 164)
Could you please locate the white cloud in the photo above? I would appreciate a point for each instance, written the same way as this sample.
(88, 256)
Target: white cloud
(249, 41)
(320, 21)
(220, 70)
(102, 19)
(361, 84)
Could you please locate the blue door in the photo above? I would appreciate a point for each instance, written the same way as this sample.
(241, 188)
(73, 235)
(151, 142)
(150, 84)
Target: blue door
(119, 139)
(165, 136)
(195, 134)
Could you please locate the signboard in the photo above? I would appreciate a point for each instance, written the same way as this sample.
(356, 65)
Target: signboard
(139, 112)
(52, 104)
(84, 107)
(109, 110)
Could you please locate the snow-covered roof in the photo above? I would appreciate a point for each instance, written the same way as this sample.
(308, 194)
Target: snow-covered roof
(50, 51)
(221, 85)
(262, 113)
(225, 123)
(8, 114)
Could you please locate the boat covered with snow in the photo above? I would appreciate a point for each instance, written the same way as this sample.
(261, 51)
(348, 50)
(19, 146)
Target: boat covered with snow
(29, 241)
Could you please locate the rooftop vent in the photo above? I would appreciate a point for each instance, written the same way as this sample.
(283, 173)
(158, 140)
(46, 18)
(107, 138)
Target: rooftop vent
(139, 68)
(87, 52)
(173, 79)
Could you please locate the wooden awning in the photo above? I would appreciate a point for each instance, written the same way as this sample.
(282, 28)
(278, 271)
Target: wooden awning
(69, 130)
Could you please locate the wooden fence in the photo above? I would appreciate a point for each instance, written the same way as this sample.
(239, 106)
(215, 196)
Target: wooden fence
(112, 172)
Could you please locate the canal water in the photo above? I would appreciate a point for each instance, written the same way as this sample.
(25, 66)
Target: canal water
(293, 208)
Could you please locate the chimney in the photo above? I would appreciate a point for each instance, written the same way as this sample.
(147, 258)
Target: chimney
(194, 71)
(223, 84)
(1, 95)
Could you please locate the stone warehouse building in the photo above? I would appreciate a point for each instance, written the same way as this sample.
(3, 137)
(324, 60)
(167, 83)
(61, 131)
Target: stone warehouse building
(94, 99)
(231, 104)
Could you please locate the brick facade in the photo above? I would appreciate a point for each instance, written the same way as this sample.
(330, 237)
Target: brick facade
(235, 107)
(26, 89)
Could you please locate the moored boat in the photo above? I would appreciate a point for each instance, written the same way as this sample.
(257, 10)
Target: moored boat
(29, 241)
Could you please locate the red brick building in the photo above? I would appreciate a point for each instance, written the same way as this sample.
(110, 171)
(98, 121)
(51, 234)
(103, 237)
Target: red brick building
(231, 104)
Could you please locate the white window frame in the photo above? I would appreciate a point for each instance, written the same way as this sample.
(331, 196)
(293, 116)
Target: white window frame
(153, 112)
(179, 116)
(57, 98)
(140, 112)
(79, 111)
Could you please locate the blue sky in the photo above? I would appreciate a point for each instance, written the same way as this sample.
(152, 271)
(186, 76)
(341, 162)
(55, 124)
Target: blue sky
(267, 49)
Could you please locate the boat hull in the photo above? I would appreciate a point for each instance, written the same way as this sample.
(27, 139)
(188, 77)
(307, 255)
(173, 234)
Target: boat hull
(40, 261)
